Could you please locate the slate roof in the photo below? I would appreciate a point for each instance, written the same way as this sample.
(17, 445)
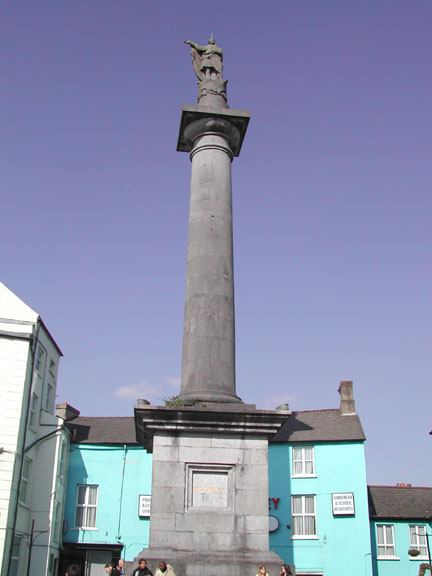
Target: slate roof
(320, 426)
(103, 430)
(400, 502)
(308, 426)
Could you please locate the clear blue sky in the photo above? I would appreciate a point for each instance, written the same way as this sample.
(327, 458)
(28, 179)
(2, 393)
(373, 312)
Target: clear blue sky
(332, 201)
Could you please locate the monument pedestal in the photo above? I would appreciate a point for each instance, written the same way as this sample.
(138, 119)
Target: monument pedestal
(209, 509)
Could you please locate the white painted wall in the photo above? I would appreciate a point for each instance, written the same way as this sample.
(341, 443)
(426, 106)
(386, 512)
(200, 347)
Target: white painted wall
(22, 334)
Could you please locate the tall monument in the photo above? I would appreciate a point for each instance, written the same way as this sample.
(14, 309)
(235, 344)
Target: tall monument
(209, 510)
(213, 135)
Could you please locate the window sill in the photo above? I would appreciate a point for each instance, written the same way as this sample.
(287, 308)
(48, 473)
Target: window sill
(305, 537)
(388, 558)
(303, 476)
(417, 558)
(84, 529)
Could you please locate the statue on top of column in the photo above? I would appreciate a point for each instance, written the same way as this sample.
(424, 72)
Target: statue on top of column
(207, 61)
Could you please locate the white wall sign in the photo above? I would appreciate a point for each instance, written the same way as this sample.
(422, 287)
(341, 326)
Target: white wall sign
(343, 504)
(144, 506)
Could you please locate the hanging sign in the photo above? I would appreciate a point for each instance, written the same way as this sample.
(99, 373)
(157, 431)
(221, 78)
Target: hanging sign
(343, 504)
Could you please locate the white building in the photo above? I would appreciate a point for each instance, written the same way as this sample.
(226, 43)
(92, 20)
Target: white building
(33, 443)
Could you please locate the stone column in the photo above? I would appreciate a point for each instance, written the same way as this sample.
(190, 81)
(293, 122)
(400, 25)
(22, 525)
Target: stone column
(208, 364)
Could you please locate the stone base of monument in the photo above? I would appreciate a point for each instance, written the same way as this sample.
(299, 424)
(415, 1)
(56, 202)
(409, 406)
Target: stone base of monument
(218, 563)
(209, 508)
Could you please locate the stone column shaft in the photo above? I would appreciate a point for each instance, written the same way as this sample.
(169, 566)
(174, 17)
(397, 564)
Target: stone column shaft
(208, 366)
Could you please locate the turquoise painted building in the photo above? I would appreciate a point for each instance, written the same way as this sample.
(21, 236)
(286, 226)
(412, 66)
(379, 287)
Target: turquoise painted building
(107, 510)
(400, 520)
(323, 517)
(318, 480)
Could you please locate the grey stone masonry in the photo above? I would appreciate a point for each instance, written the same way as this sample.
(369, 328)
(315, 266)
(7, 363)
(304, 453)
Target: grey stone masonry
(213, 136)
(204, 419)
(209, 509)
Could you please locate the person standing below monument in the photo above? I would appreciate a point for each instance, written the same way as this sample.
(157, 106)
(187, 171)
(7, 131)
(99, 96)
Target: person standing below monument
(142, 569)
(164, 569)
(121, 566)
(262, 571)
(73, 570)
(111, 571)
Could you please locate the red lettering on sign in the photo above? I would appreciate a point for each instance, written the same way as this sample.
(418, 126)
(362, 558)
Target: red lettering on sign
(273, 502)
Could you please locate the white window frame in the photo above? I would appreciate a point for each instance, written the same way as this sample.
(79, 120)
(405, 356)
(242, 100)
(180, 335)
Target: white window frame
(25, 480)
(417, 536)
(301, 460)
(52, 368)
(61, 470)
(56, 520)
(15, 555)
(33, 410)
(387, 545)
(303, 499)
(40, 360)
(49, 396)
(86, 507)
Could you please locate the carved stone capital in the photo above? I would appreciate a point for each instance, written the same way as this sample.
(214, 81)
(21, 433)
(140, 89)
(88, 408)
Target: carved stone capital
(199, 120)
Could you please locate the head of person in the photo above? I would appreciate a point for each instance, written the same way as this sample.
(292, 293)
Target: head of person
(162, 566)
(73, 570)
(286, 569)
(121, 563)
(142, 563)
(262, 569)
(108, 568)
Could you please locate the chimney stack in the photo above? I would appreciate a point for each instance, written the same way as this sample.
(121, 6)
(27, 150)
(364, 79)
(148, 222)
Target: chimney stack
(347, 404)
(66, 412)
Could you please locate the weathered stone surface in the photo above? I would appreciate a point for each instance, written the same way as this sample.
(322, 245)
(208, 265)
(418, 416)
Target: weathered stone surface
(250, 477)
(166, 500)
(166, 474)
(167, 454)
(256, 524)
(196, 454)
(210, 524)
(251, 502)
